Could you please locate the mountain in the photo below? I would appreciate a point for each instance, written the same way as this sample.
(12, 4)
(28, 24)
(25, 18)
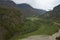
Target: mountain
(29, 11)
(55, 13)
(10, 22)
(8, 3)
(57, 8)
(10, 19)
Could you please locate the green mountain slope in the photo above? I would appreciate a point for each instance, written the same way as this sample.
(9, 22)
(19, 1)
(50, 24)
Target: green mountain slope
(10, 22)
(37, 26)
(11, 26)
(41, 26)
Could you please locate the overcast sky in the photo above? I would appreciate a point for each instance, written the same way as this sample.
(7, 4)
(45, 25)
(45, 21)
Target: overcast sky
(40, 4)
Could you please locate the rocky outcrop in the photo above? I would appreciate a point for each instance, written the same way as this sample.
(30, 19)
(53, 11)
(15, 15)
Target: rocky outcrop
(8, 3)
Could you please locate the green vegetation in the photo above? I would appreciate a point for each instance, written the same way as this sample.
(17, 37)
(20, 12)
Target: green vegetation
(46, 25)
(13, 29)
(37, 26)
(10, 21)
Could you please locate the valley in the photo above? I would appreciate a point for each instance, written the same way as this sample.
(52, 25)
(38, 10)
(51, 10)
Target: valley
(38, 26)
(23, 22)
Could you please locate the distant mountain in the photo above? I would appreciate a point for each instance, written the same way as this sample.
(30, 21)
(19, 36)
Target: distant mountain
(26, 9)
(57, 8)
(29, 11)
(55, 13)
(24, 6)
(8, 3)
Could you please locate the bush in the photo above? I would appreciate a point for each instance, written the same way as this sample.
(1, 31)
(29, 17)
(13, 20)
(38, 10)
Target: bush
(57, 38)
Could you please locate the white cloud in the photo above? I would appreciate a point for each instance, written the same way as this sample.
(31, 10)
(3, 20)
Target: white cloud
(42, 4)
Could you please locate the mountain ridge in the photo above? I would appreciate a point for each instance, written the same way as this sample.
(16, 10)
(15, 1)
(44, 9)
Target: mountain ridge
(29, 10)
(8, 3)
(55, 13)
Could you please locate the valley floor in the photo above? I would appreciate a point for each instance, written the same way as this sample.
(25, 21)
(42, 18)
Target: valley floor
(43, 37)
(45, 29)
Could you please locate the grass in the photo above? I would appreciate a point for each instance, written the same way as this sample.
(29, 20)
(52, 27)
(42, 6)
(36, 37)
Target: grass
(37, 26)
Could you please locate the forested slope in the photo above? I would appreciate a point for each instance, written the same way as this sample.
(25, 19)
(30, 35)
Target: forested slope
(10, 22)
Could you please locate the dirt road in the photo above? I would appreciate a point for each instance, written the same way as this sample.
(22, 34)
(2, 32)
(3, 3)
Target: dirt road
(38, 37)
(43, 37)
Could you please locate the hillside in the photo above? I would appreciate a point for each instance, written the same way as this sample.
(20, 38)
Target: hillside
(29, 11)
(41, 26)
(37, 26)
(10, 20)
(8, 3)
(55, 13)
(18, 21)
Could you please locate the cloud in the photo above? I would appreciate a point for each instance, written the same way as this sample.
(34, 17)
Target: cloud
(41, 4)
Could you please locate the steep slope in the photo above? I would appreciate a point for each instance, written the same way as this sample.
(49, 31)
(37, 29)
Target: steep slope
(8, 3)
(55, 13)
(10, 20)
(29, 11)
